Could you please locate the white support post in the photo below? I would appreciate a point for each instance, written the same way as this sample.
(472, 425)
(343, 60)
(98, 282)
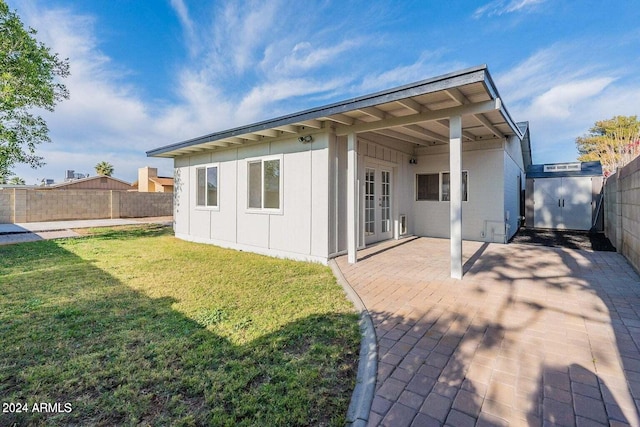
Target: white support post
(455, 189)
(352, 195)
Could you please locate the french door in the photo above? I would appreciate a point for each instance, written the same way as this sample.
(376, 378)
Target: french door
(377, 204)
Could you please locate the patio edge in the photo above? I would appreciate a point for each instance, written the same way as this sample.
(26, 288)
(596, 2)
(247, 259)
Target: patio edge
(364, 391)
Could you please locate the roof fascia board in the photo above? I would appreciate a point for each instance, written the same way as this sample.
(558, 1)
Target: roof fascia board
(446, 81)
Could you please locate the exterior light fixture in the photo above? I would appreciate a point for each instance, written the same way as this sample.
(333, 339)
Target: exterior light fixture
(305, 139)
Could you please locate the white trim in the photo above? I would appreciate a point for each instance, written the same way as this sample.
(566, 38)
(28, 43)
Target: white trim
(254, 249)
(206, 207)
(262, 159)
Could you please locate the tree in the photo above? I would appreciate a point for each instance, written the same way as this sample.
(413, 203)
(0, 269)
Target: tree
(29, 75)
(104, 168)
(615, 142)
(16, 180)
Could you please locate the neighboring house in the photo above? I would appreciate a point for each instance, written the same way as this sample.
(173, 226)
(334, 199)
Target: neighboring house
(149, 181)
(99, 182)
(441, 157)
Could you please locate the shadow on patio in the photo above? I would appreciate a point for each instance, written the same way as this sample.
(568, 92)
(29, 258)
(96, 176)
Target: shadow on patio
(531, 334)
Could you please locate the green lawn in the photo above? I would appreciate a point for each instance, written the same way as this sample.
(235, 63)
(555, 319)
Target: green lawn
(134, 327)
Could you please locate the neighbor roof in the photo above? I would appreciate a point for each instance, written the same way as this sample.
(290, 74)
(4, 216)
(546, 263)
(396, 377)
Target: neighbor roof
(417, 113)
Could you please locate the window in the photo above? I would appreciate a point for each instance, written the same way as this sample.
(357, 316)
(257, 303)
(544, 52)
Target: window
(446, 193)
(427, 186)
(207, 186)
(434, 186)
(264, 184)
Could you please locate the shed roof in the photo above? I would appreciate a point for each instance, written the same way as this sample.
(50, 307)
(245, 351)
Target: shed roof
(560, 170)
(417, 113)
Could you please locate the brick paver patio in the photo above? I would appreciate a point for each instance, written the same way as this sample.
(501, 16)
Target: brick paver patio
(530, 336)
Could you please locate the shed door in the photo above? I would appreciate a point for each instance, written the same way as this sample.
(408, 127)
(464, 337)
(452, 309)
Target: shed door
(576, 200)
(562, 203)
(546, 203)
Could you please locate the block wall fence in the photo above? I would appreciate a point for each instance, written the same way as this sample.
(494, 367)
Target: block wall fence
(32, 205)
(622, 211)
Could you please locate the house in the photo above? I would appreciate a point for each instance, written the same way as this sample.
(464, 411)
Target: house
(99, 182)
(149, 181)
(441, 157)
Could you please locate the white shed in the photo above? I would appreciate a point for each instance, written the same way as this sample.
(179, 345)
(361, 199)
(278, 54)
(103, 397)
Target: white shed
(563, 196)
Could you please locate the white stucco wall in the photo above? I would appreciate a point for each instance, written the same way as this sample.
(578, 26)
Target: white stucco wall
(299, 231)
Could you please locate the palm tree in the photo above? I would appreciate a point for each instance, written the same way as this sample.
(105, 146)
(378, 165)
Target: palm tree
(16, 180)
(104, 168)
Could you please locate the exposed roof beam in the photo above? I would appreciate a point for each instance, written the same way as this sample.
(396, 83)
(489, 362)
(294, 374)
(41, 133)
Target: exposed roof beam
(477, 108)
(415, 129)
(412, 105)
(457, 96)
(268, 133)
(374, 112)
(468, 135)
(215, 144)
(234, 140)
(342, 119)
(316, 124)
(287, 128)
(402, 137)
(482, 119)
(251, 137)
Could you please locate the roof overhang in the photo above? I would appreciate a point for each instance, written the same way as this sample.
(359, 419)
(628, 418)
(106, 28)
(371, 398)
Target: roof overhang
(417, 113)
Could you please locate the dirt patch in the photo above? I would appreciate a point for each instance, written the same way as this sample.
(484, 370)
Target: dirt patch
(584, 240)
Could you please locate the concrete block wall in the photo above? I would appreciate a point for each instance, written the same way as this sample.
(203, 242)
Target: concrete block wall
(33, 205)
(54, 205)
(137, 205)
(6, 206)
(622, 211)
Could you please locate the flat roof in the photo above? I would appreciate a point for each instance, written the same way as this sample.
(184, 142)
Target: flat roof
(417, 113)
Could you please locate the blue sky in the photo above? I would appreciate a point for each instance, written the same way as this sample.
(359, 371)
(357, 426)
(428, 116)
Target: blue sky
(150, 73)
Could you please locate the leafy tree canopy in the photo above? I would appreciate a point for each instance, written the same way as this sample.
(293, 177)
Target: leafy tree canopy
(104, 168)
(615, 142)
(29, 75)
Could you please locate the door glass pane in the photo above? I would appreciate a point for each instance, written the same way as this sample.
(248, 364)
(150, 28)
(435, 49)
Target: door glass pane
(255, 185)
(272, 184)
(385, 201)
(369, 202)
(201, 187)
(212, 186)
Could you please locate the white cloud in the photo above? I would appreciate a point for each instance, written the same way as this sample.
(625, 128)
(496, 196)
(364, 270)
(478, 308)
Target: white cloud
(188, 25)
(500, 7)
(429, 64)
(561, 101)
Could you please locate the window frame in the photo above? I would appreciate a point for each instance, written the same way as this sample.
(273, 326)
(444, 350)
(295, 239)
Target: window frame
(262, 209)
(206, 168)
(441, 191)
(464, 172)
(417, 189)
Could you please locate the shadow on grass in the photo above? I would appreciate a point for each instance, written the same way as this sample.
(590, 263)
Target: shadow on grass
(122, 358)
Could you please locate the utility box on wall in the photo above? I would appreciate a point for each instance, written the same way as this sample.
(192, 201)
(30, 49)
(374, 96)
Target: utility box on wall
(564, 196)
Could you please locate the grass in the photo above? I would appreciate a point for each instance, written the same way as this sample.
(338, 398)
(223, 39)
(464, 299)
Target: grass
(134, 327)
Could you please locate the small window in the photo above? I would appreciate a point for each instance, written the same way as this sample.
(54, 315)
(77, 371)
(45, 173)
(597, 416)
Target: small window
(264, 185)
(207, 186)
(446, 191)
(427, 186)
